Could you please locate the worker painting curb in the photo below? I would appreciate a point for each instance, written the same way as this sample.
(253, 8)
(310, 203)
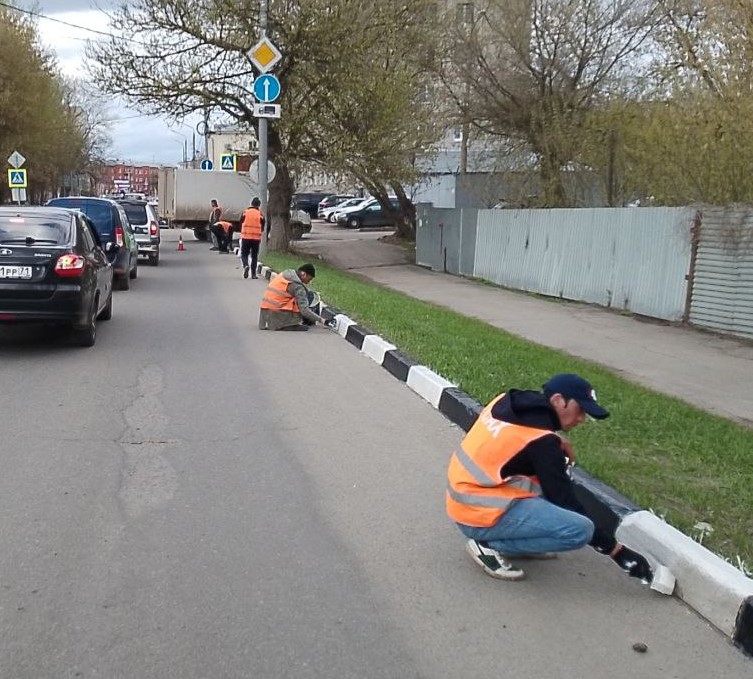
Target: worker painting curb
(714, 588)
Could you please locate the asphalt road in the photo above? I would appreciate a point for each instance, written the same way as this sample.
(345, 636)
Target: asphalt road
(194, 498)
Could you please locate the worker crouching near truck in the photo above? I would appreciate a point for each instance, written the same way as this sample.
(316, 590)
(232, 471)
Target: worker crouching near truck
(286, 304)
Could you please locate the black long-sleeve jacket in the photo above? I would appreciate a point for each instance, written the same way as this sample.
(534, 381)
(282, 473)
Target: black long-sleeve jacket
(544, 457)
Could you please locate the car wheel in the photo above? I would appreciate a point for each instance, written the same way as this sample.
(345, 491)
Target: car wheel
(200, 234)
(87, 336)
(296, 231)
(154, 260)
(133, 273)
(124, 282)
(106, 313)
(353, 223)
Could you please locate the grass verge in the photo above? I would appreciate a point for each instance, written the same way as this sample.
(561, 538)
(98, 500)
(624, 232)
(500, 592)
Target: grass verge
(686, 465)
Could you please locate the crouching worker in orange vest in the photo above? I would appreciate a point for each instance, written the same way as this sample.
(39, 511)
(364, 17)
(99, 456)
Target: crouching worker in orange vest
(509, 491)
(223, 232)
(287, 301)
(251, 232)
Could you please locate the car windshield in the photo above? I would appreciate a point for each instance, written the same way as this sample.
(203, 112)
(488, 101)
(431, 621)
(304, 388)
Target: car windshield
(136, 213)
(20, 229)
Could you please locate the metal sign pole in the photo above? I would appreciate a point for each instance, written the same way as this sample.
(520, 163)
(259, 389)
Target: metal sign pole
(263, 181)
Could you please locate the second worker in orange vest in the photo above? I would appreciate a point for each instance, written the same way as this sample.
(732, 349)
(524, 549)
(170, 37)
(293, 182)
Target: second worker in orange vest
(286, 304)
(252, 228)
(508, 486)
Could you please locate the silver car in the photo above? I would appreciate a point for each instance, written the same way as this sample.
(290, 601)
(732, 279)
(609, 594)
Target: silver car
(145, 225)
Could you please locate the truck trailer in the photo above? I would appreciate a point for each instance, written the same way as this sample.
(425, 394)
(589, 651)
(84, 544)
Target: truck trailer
(185, 195)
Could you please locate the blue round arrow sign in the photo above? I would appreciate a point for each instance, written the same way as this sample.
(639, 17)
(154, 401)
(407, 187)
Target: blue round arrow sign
(266, 88)
(207, 164)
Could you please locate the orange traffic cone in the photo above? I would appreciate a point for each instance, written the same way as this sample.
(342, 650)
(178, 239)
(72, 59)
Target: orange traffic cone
(181, 247)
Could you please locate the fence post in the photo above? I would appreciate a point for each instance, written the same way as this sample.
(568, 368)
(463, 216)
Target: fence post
(695, 239)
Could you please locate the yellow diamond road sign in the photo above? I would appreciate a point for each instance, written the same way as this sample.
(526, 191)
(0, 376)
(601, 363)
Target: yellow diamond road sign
(264, 55)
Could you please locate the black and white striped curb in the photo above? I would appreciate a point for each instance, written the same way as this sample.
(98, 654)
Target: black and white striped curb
(714, 588)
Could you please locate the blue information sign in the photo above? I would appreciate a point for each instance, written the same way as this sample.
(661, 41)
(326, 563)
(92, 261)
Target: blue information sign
(207, 164)
(266, 88)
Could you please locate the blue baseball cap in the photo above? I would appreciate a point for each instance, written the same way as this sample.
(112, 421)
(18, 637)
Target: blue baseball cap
(575, 387)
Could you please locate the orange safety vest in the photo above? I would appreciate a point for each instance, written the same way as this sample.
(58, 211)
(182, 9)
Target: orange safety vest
(225, 225)
(477, 495)
(251, 227)
(277, 297)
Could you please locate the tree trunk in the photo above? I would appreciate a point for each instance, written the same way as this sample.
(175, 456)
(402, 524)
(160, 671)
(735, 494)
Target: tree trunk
(406, 220)
(550, 169)
(280, 195)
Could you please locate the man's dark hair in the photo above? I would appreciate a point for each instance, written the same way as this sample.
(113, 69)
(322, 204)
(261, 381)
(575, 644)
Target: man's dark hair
(214, 201)
(255, 202)
(308, 268)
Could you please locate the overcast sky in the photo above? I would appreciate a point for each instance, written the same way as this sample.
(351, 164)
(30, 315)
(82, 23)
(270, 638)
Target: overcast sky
(135, 138)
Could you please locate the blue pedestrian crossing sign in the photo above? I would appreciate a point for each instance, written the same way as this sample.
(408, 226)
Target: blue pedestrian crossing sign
(266, 88)
(17, 178)
(206, 164)
(227, 161)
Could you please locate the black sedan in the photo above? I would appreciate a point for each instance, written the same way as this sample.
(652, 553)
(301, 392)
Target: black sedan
(53, 269)
(373, 215)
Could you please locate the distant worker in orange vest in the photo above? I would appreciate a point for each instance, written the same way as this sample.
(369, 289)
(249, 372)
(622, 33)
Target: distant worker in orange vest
(223, 232)
(509, 491)
(287, 301)
(252, 228)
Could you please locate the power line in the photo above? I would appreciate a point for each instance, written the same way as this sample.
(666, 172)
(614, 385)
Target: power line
(37, 15)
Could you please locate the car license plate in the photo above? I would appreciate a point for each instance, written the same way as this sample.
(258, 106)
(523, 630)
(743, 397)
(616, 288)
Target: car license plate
(15, 272)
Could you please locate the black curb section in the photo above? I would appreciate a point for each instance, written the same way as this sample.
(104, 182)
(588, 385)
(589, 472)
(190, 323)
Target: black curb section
(459, 408)
(743, 636)
(356, 335)
(604, 504)
(329, 312)
(398, 364)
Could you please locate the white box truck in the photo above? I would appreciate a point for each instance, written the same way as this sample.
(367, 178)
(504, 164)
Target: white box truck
(185, 195)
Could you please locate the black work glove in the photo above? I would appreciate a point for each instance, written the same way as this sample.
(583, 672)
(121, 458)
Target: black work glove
(634, 564)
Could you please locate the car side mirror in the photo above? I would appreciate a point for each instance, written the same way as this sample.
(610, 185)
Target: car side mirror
(111, 247)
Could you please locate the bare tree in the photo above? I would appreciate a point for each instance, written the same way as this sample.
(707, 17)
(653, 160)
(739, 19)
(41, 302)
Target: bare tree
(179, 57)
(532, 70)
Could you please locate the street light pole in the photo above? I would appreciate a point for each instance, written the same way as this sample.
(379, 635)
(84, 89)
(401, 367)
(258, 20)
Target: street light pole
(263, 178)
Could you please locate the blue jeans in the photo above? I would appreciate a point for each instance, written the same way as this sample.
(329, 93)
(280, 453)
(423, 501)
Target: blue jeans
(533, 526)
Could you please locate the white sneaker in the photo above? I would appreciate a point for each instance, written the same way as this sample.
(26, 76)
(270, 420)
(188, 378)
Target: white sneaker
(492, 562)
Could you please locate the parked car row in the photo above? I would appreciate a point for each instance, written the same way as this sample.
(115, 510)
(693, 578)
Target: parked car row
(346, 210)
(60, 263)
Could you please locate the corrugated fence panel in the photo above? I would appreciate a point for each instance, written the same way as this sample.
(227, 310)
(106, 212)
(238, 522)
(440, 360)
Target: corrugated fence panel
(723, 278)
(626, 258)
(438, 238)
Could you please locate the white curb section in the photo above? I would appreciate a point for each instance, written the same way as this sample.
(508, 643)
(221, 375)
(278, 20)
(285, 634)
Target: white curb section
(707, 583)
(342, 324)
(264, 270)
(427, 383)
(375, 348)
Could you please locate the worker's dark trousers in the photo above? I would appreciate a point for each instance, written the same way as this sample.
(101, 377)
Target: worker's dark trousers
(223, 238)
(252, 246)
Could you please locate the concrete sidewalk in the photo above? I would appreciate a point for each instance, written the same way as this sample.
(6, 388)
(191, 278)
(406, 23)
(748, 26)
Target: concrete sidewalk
(711, 372)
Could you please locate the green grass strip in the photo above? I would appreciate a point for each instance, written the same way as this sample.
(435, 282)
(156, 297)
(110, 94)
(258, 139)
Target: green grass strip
(686, 465)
